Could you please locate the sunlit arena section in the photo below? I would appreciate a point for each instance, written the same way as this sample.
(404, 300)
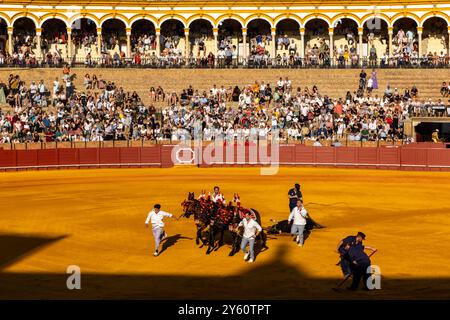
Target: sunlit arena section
(95, 219)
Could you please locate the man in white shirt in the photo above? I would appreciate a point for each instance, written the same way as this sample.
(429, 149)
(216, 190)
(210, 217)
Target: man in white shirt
(251, 231)
(298, 216)
(156, 217)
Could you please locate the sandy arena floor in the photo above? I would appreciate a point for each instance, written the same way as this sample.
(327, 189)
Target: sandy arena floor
(95, 219)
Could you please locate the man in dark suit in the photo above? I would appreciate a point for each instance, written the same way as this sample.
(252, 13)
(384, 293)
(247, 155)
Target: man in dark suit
(294, 194)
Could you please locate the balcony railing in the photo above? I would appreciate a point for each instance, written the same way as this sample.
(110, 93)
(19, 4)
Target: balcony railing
(251, 62)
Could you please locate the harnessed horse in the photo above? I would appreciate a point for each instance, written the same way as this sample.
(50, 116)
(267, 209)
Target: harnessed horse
(211, 218)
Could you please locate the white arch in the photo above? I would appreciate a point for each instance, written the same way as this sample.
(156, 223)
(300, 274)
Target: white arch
(189, 22)
(375, 17)
(230, 18)
(257, 18)
(285, 17)
(305, 22)
(114, 17)
(53, 17)
(167, 18)
(334, 20)
(434, 16)
(138, 18)
(13, 21)
(76, 18)
(5, 18)
(404, 17)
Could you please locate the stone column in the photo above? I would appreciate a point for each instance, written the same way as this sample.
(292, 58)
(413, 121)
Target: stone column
(38, 43)
(273, 53)
(187, 44)
(448, 42)
(128, 31)
(69, 44)
(10, 40)
(99, 41)
(216, 43)
(330, 33)
(302, 43)
(390, 32)
(360, 34)
(158, 42)
(419, 34)
(244, 37)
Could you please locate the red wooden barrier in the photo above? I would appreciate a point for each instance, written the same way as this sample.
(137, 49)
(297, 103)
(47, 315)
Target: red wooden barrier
(152, 156)
(410, 158)
(324, 155)
(109, 155)
(47, 157)
(348, 156)
(287, 154)
(414, 157)
(68, 157)
(388, 156)
(166, 156)
(240, 153)
(8, 158)
(367, 156)
(304, 154)
(88, 156)
(27, 158)
(438, 158)
(265, 153)
(130, 155)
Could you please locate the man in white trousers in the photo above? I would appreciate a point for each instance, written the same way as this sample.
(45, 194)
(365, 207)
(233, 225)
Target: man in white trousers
(251, 231)
(156, 217)
(298, 216)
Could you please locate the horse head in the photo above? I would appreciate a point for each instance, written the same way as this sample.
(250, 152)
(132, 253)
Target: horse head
(189, 205)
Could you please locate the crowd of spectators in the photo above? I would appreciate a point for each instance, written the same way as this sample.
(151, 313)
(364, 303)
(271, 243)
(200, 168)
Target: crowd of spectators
(84, 40)
(143, 53)
(143, 43)
(104, 111)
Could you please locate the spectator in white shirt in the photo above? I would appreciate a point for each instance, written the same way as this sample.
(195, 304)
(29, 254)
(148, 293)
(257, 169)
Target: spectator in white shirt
(155, 217)
(251, 231)
(298, 216)
(317, 143)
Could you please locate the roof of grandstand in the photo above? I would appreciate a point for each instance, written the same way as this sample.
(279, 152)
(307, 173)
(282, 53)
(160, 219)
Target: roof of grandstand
(200, 3)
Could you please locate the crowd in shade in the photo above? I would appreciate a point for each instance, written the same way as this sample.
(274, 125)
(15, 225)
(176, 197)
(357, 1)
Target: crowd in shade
(101, 110)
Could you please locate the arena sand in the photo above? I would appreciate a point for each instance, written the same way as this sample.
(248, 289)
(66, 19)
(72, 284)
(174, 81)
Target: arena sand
(95, 219)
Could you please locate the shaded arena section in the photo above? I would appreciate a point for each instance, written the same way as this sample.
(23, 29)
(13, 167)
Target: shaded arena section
(15, 247)
(259, 282)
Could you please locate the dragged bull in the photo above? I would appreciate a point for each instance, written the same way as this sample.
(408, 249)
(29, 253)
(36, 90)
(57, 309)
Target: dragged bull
(284, 227)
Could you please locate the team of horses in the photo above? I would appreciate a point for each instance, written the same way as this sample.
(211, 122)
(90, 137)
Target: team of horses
(214, 219)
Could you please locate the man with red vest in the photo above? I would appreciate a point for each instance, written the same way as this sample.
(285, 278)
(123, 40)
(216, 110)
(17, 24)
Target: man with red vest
(217, 196)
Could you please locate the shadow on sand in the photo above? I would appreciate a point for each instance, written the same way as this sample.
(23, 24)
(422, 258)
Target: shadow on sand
(257, 281)
(171, 241)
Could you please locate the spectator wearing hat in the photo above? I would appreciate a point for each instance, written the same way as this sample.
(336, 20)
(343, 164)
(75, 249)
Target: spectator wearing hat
(435, 136)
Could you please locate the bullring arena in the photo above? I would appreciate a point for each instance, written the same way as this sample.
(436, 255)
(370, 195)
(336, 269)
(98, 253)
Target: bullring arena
(83, 161)
(95, 219)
